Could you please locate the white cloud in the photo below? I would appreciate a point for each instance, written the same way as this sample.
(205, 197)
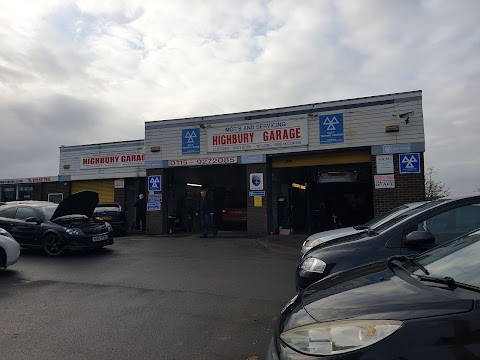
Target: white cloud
(90, 71)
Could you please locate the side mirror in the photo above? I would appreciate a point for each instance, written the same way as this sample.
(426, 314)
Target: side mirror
(32, 220)
(420, 239)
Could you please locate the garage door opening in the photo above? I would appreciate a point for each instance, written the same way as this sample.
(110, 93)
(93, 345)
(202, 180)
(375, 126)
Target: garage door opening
(319, 198)
(226, 186)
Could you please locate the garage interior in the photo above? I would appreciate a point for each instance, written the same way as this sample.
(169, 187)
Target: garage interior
(226, 186)
(309, 199)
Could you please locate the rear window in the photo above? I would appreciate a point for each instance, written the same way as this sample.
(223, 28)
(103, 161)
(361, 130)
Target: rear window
(109, 208)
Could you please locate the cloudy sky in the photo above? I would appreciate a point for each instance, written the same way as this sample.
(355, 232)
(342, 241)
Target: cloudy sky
(79, 72)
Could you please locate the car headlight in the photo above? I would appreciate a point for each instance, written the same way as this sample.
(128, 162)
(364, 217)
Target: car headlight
(109, 227)
(313, 265)
(338, 337)
(74, 232)
(6, 233)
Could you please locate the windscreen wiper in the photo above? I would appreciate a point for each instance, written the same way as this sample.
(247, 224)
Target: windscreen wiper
(450, 282)
(404, 258)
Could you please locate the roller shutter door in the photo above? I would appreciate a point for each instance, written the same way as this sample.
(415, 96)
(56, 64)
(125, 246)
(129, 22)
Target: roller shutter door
(105, 188)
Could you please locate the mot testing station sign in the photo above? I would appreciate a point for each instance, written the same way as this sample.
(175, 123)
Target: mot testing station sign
(155, 183)
(191, 141)
(409, 163)
(384, 181)
(331, 128)
(268, 135)
(110, 160)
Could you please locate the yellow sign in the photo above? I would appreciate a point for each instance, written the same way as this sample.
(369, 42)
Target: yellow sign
(257, 201)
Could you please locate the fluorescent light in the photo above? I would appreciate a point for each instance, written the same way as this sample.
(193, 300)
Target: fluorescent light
(194, 185)
(299, 186)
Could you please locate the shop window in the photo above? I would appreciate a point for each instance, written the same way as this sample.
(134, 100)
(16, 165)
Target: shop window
(56, 198)
(9, 193)
(25, 192)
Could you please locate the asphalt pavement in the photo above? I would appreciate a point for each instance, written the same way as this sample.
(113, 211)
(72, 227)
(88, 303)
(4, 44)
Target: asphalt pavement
(148, 297)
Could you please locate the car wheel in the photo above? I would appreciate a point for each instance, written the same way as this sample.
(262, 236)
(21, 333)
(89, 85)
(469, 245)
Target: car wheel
(53, 245)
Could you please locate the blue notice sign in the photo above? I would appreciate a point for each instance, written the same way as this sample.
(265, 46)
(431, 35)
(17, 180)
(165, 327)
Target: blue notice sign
(257, 193)
(191, 141)
(155, 183)
(154, 198)
(331, 128)
(153, 206)
(409, 163)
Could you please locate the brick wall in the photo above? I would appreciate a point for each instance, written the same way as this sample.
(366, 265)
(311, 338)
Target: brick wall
(257, 217)
(119, 197)
(408, 188)
(157, 221)
(54, 188)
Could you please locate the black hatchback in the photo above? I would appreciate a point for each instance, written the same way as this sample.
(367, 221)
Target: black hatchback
(115, 215)
(57, 227)
(413, 232)
(420, 307)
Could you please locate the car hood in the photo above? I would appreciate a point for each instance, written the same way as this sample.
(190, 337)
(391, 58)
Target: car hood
(374, 291)
(332, 234)
(348, 238)
(81, 203)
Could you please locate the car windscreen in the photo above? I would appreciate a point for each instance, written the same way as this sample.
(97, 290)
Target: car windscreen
(458, 259)
(407, 214)
(48, 211)
(378, 219)
(102, 209)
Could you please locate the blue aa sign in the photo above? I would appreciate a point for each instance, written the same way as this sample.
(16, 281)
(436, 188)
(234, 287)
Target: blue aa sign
(155, 183)
(409, 163)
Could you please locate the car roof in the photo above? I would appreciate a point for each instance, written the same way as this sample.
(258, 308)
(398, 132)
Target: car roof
(32, 204)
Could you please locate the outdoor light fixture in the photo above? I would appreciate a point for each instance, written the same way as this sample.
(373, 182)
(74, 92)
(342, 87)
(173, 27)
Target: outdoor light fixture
(194, 185)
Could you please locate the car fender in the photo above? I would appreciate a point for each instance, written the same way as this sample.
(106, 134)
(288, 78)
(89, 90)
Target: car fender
(52, 231)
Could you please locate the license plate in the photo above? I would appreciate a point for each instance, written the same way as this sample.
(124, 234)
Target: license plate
(106, 217)
(100, 238)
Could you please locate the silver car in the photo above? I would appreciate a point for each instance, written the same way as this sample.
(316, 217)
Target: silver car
(9, 249)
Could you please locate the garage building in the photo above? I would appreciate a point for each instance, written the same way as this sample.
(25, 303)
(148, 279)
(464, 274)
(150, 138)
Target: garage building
(308, 168)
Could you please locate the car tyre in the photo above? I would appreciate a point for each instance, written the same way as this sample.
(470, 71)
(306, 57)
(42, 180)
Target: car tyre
(53, 245)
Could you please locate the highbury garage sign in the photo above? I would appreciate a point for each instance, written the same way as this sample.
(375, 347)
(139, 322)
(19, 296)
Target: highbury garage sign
(259, 136)
(117, 159)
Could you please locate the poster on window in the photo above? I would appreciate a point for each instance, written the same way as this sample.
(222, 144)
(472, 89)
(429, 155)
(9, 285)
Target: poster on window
(256, 181)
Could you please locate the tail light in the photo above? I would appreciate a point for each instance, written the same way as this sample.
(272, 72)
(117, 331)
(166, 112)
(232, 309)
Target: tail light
(120, 208)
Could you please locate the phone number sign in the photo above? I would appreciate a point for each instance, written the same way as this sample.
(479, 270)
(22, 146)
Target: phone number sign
(204, 161)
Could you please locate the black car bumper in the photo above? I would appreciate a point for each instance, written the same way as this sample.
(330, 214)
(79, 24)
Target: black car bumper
(87, 242)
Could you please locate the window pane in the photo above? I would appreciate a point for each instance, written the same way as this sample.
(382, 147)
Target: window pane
(8, 213)
(24, 212)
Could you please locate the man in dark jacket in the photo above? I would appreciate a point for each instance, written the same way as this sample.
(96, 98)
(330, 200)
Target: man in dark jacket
(141, 213)
(205, 211)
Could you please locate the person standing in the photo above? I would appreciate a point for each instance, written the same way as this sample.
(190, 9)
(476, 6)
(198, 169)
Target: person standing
(205, 211)
(141, 213)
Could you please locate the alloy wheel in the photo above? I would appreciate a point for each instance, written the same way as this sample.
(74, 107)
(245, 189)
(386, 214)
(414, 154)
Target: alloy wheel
(53, 245)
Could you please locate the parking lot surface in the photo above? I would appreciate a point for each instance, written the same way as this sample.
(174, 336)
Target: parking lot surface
(145, 297)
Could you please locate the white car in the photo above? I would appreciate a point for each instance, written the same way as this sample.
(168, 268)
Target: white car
(324, 236)
(9, 249)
